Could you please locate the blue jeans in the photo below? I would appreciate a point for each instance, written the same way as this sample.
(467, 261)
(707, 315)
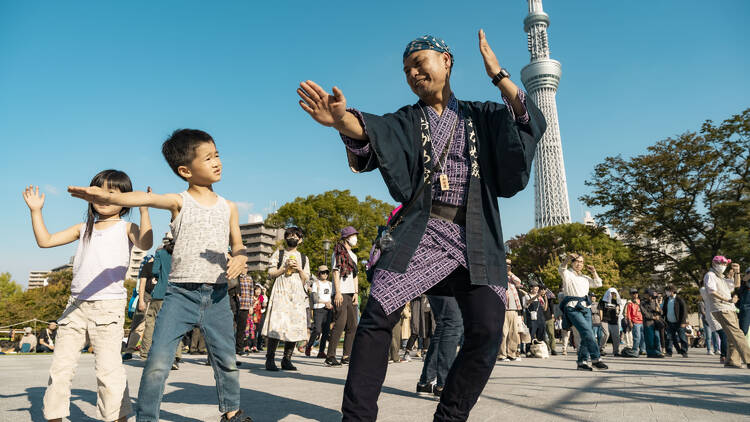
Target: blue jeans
(639, 340)
(722, 343)
(186, 305)
(581, 319)
(711, 336)
(653, 345)
(448, 331)
(598, 333)
(676, 336)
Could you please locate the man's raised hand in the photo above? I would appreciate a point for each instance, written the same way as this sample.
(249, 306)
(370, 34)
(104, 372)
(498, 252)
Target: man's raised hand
(326, 109)
(491, 65)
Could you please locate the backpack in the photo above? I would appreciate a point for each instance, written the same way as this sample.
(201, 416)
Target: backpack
(281, 259)
(629, 352)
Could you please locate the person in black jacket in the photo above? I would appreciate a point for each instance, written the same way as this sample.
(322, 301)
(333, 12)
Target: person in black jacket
(651, 314)
(675, 315)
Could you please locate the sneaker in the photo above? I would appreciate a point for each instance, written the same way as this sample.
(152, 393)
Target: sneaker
(418, 354)
(553, 353)
(504, 360)
(600, 365)
(708, 352)
(175, 366)
(437, 391)
(669, 354)
(565, 353)
(332, 362)
(684, 354)
(516, 359)
(584, 367)
(345, 360)
(659, 356)
(127, 356)
(238, 417)
(641, 353)
(424, 389)
(406, 358)
(602, 353)
(321, 355)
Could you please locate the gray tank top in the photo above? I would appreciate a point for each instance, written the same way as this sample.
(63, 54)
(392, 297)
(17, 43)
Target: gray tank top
(201, 237)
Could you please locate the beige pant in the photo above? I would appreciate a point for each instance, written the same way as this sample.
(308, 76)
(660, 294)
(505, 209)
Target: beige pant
(509, 343)
(737, 348)
(103, 321)
(566, 338)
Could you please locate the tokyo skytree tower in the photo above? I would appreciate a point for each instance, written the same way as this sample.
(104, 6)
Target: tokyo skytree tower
(541, 77)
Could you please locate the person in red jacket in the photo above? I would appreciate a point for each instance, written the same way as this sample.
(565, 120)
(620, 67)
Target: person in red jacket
(634, 316)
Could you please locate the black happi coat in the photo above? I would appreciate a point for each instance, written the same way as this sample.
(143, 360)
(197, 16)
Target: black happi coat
(501, 151)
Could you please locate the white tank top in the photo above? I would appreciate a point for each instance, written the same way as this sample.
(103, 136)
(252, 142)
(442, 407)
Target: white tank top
(100, 264)
(201, 242)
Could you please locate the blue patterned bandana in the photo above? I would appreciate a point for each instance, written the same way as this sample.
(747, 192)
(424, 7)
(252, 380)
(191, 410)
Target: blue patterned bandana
(427, 42)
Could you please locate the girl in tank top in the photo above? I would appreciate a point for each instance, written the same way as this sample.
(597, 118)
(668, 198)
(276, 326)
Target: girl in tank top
(96, 307)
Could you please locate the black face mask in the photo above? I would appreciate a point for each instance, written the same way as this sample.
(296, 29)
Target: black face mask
(291, 242)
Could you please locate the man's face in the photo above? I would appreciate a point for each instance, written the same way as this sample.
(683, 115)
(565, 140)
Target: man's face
(427, 71)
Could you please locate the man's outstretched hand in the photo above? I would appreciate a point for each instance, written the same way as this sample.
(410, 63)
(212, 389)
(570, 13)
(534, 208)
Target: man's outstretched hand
(326, 109)
(491, 65)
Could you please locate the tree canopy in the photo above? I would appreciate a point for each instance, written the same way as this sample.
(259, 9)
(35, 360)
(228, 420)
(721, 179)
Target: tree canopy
(683, 201)
(323, 216)
(8, 287)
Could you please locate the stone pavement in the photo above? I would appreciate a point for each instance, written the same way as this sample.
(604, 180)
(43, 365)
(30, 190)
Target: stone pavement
(674, 389)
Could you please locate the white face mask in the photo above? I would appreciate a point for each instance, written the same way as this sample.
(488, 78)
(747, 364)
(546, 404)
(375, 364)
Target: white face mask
(720, 268)
(352, 240)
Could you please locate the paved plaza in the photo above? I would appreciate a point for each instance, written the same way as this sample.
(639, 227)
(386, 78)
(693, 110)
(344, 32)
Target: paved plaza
(674, 389)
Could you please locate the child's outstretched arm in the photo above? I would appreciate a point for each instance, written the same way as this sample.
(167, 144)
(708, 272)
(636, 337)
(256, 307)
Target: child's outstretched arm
(169, 201)
(44, 239)
(237, 264)
(142, 236)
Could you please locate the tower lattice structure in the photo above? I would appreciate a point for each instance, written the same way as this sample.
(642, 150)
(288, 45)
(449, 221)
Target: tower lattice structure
(541, 78)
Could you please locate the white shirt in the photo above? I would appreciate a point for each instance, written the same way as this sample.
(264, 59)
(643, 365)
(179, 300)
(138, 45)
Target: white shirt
(347, 283)
(322, 293)
(577, 285)
(712, 322)
(723, 286)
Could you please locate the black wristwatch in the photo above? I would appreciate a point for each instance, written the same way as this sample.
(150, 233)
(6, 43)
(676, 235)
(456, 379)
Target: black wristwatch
(500, 75)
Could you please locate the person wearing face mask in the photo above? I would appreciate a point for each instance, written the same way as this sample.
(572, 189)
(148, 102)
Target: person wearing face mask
(346, 286)
(286, 315)
(674, 310)
(719, 291)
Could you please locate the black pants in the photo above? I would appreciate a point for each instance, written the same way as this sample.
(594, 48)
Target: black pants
(321, 325)
(483, 313)
(345, 321)
(536, 329)
(240, 321)
(676, 336)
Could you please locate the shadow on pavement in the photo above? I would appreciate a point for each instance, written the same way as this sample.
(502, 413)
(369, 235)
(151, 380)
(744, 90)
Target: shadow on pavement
(256, 404)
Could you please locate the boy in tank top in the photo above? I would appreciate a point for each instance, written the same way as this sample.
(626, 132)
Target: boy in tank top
(204, 226)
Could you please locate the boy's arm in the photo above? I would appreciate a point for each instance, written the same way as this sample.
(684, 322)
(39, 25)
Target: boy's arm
(237, 264)
(44, 239)
(169, 201)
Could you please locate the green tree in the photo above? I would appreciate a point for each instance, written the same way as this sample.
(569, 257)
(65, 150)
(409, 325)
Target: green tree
(44, 303)
(322, 217)
(8, 287)
(683, 201)
(538, 252)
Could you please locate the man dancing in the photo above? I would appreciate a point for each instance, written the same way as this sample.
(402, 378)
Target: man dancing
(447, 161)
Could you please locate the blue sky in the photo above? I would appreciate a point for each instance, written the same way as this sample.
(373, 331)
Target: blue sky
(86, 86)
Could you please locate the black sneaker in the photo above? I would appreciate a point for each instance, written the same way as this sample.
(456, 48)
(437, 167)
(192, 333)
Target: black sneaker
(424, 389)
(602, 353)
(684, 355)
(437, 391)
(584, 367)
(332, 362)
(238, 417)
(659, 356)
(127, 356)
(600, 365)
(345, 361)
